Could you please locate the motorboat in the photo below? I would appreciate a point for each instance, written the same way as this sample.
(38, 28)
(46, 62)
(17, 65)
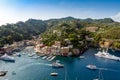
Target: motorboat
(18, 54)
(54, 74)
(49, 57)
(52, 58)
(7, 58)
(44, 57)
(82, 57)
(92, 67)
(57, 65)
(3, 73)
(36, 57)
(32, 54)
(104, 54)
(13, 73)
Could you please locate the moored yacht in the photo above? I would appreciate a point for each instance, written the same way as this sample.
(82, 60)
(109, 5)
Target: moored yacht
(3, 73)
(57, 65)
(7, 58)
(54, 74)
(104, 54)
(92, 67)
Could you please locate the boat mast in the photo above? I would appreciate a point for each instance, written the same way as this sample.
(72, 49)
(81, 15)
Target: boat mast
(100, 77)
(65, 75)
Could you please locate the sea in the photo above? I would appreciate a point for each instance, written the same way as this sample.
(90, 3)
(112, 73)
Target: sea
(28, 68)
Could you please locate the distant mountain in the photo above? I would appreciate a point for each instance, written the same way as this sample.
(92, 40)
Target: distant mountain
(105, 20)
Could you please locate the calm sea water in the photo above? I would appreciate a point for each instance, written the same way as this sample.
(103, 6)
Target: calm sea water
(27, 68)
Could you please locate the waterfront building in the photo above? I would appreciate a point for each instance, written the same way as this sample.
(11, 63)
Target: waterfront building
(64, 51)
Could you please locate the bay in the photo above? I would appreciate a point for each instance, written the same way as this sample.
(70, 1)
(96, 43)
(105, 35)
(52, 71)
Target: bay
(27, 68)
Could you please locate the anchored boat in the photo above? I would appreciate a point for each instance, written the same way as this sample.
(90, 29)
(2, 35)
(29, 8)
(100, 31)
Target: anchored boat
(3, 73)
(104, 54)
(54, 74)
(92, 67)
(57, 65)
(7, 58)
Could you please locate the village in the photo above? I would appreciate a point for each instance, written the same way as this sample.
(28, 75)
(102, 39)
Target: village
(40, 48)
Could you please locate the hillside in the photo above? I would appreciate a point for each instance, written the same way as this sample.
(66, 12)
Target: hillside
(70, 28)
(21, 31)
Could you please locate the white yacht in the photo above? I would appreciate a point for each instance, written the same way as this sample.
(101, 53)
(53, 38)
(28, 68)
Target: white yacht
(92, 67)
(44, 57)
(3, 73)
(104, 54)
(57, 65)
(7, 58)
(52, 58)
(81, 57)
(54, 74)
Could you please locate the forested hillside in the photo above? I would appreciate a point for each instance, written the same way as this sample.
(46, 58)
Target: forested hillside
(64, 28)
(21, 31)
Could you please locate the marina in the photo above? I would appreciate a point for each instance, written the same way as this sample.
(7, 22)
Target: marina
(59, 39)
(25, 68)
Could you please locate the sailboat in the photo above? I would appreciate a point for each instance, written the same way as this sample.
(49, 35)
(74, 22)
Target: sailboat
(100, 76)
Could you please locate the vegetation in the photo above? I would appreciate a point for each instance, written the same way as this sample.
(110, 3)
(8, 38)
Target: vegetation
(21, 31)
(63, 29)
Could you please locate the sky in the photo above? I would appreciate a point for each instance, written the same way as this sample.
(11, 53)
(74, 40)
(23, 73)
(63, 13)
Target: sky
(12, 11)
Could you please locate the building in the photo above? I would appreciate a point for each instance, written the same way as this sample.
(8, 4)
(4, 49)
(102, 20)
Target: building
(64, 51)
(57, 44)
(92, 29)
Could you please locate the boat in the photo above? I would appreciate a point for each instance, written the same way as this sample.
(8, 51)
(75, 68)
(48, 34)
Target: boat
(13, 73)
(44, 57)
(36, 57)
(58, 61)
(106, 55)
(18, 54)
(54, 74)
(92, 67)
(49, 57)
(82, 57)
(30, 55)
(52, 58)
(7, 58)
(100, 76)
(57, 65)
(3, 73)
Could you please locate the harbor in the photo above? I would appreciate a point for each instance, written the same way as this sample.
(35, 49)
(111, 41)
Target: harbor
(36, 68)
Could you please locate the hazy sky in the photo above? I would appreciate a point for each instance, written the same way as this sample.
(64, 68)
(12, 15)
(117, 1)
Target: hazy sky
(12, 11)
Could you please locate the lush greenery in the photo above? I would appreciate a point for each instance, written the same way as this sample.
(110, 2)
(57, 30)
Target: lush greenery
(21, 31)
(63, 29)
(69, 33)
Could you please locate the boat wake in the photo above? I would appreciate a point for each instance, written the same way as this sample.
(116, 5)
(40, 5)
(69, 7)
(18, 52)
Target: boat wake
(108, 69)
(44, 64)
(31, 64)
